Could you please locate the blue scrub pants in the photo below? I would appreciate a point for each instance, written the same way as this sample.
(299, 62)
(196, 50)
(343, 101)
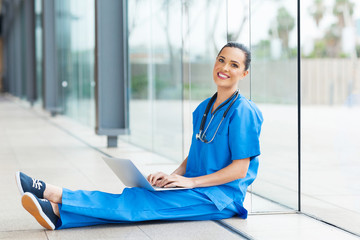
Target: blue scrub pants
(86, 208)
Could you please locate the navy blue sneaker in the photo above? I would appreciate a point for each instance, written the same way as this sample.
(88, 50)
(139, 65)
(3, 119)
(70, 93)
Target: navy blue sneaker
(41, 210)
(28, 184)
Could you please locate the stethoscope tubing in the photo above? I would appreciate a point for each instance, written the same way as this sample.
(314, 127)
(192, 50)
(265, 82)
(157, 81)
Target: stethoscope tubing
(201, 135)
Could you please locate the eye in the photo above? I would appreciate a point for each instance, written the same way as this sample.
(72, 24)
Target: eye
(234, 65)
(221, 60)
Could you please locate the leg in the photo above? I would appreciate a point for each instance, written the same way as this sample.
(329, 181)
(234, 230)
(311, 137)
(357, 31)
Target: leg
(53, 193)
(55, 208)
(84, 208)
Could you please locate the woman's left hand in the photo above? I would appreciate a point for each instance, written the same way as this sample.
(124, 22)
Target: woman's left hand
(175, 180)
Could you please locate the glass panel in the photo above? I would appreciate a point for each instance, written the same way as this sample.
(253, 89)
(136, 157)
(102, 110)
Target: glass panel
(141, 81)
(62, 32)
(75, 35)
(156, 90)
(274, 90)
(330, 111)
(38, 50)
(166, 39)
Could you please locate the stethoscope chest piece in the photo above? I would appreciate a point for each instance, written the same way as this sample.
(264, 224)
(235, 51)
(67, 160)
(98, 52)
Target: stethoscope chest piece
(198, 136)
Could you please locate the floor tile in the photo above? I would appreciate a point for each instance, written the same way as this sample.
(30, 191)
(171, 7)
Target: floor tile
(17, 218)
(113, 231)
(187, 230)
(286, 226)
(24, 235)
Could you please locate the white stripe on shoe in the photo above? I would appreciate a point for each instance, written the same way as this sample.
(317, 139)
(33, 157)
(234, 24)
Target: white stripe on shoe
(31, 205)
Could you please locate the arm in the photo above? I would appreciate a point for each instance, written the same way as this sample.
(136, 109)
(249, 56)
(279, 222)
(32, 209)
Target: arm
(182, 168)
(236, 170)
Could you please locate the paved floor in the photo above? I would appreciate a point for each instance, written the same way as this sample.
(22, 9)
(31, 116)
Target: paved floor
(68, 154)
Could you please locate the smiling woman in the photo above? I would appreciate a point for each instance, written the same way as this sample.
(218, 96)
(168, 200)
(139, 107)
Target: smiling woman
(217, 172)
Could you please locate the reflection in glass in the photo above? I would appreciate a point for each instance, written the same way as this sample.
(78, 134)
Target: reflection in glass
(274, 89)
(156, 89)
(75, 38)
(167, 79)
(330, 111)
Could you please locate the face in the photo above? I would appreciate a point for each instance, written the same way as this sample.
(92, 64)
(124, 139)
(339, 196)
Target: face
(229, 68)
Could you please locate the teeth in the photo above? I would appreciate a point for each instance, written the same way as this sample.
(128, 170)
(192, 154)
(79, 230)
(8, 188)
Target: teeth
(223, 76)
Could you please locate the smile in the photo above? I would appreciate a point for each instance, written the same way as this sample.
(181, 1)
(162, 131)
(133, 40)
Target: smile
(222, 75)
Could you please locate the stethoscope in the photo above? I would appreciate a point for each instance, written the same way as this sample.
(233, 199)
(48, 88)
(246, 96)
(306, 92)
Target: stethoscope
(201, 135)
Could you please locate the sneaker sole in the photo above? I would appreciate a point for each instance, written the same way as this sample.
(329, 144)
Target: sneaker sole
(18, 182)
(31, 205)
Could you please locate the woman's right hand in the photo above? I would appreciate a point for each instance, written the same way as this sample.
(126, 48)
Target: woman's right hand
(155, 177)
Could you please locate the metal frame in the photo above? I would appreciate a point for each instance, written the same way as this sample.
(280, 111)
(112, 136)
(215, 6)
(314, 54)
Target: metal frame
(299, 103)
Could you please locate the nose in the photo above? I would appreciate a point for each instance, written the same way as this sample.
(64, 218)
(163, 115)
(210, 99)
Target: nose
(226, 67)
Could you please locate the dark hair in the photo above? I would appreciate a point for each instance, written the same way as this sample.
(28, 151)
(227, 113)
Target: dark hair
(243, 48)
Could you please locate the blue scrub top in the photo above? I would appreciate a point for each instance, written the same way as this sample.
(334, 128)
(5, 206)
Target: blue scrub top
(237, 138)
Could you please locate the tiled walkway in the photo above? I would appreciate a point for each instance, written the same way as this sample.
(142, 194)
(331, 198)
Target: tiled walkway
(67, 154)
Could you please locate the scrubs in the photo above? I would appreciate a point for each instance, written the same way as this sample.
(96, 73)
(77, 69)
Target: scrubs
(237, 138)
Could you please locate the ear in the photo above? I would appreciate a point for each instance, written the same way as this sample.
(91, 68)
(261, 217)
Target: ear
(245, 73)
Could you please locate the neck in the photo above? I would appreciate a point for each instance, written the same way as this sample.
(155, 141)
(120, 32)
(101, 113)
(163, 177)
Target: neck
(223, 94)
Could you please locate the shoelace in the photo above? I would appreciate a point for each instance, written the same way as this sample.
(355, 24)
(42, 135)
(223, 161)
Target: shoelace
(36, 183)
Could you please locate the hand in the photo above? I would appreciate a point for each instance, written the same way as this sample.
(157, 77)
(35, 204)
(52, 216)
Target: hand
(175, 180)
(156, 177)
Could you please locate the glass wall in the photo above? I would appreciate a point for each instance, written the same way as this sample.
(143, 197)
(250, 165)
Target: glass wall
(75, 42)
(331, 111)
(173, 45)
(38, 51)
(273, 87)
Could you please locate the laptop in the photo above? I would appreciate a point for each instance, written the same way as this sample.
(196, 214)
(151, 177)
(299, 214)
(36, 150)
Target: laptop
(131, 176)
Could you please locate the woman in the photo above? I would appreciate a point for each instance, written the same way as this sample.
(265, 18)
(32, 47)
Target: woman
(221, 164)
